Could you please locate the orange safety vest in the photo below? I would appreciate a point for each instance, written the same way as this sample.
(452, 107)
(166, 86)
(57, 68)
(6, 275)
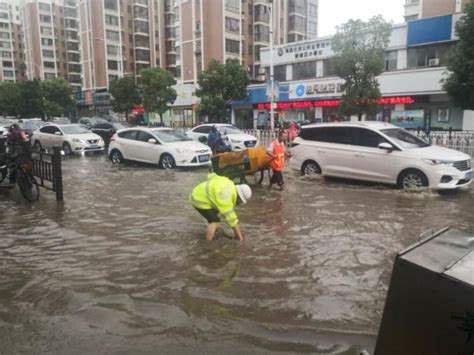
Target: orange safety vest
(278, 163)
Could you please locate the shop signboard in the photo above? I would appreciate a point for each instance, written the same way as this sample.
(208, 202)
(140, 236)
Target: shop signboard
(88, 98)
(316, 89)
(409, 118)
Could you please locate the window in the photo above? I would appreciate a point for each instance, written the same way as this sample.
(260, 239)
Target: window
(305, 70)
(298, 6)
(112, 64)
(391, 60)
(232, 5)
(8, 73)
(411, 18)
(7, 64)
(48, 53)
(44, 7)
(339, 135)
(329, 68)
(3, 15)
(47, 41)
(132, 134)
(4, 44)
(297, 23)
(112, 50)
(203, 129)
(421, 56)
(367, 138)
(113, 78)
(313, 10)
(232, 46)
(111, 4)
(232, 25)
(112, 35)
(45, 18)
(49, 65)
(47, 31)
(280, 72)
(49, 129)
(111, 20)
(262, 33)
(6, 54)
(4, 35)
(4, 25)
(144, 136)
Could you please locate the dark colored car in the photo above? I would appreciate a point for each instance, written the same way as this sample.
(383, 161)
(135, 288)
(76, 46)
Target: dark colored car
(29, 126)
(107, 130)
(89, 122)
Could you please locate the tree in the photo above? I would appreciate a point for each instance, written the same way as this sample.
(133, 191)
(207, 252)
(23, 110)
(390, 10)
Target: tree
(359, 49)
(220, 84)
(57, 95)
(460, 82)
(125, 95)
(31, 97)
(10, 98)
(158, 92)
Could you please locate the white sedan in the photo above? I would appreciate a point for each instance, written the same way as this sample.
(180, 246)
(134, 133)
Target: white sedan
(72, 138)
(231, 135)
(163, 146)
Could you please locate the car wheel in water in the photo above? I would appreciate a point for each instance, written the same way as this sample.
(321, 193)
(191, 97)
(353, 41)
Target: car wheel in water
(167, 161)
(67, 149)
(412, 179)
(311, 168)
(116, 157)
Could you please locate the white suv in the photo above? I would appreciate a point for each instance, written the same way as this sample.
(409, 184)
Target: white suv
(231, 135)
(379, 152)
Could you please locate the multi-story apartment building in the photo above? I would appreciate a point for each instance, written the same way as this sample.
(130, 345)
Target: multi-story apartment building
(11, 64)
(50, 37)
(418, 9)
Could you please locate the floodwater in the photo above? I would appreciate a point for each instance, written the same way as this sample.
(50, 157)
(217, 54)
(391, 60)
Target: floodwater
(121, 267)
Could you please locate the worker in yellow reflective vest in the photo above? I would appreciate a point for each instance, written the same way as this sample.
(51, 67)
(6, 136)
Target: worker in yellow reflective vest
(217, 196)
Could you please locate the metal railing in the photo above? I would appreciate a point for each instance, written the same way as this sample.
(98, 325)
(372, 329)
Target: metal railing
(462, 141)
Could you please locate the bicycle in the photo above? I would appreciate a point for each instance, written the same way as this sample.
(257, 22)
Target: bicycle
(19, 171)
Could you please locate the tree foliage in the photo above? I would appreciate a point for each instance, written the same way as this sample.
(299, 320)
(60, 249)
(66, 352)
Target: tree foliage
(158, 91)
(125, 95)
(359, 49)
(460, 82)
(31, 97)
(57, 96)
(10, 98)
(219, 84)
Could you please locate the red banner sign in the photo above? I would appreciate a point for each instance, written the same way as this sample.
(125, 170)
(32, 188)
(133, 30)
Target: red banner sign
(397, 100)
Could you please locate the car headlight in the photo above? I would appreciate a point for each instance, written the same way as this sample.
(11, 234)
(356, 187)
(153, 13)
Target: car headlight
(438, 162)
(77, 140)
(236, 141)
(182, 151)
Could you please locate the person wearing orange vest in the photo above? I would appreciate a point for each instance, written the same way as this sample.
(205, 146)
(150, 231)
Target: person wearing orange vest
(278, 152)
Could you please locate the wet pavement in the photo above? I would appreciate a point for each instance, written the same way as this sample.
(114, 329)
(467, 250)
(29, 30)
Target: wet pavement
(121, 267)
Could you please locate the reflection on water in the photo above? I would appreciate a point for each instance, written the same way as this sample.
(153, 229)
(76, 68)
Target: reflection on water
(120, 267)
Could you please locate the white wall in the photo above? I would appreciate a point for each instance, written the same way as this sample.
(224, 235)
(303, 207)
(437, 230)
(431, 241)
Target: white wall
(398, 38)
(468, 121)
(412, 82)
(402, 56)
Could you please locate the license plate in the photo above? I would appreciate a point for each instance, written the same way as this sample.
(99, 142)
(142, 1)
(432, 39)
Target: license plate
(469, 175)
(203, 158)
(93, 146)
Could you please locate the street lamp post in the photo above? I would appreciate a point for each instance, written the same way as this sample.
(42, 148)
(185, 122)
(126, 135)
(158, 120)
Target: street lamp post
(272, 74)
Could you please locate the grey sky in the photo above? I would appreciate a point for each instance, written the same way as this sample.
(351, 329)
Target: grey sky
(336, 12)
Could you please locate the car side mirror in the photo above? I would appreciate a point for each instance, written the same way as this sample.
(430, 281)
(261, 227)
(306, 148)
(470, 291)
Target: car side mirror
(58, 133)
(152, 141)
(386, 146)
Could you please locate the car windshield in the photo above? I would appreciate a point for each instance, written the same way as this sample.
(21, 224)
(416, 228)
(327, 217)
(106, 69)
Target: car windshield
(74, 130)
(170, 136)
(229, 130)
(405, 139)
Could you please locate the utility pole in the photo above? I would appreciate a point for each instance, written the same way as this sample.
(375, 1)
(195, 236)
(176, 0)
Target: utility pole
(272, 74)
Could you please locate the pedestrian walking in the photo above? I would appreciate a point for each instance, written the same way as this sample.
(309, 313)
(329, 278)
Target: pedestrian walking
(217, 197)
(278, 152)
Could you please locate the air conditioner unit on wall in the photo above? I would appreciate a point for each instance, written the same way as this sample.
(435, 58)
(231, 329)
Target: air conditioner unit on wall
(433, 62)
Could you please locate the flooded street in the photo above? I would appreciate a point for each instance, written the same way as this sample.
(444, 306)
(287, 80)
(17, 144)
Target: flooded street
(121, 267)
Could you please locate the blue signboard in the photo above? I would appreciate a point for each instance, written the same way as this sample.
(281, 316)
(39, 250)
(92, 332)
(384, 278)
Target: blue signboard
(429, 30)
